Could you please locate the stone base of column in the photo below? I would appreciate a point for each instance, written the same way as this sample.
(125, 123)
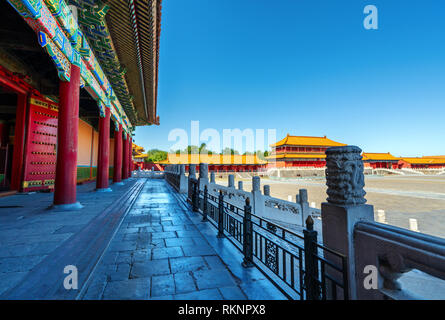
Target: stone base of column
(247, 264)
(66, 207)
(104, 190)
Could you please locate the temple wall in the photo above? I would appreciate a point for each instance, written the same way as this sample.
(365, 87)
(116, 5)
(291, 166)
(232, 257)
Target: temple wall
(87, 152)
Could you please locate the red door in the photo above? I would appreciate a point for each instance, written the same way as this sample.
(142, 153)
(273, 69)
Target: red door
(41, 145)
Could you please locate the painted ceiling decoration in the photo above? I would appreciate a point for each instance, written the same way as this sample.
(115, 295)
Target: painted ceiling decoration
(91, 19)
(66, 44)
(135, 26)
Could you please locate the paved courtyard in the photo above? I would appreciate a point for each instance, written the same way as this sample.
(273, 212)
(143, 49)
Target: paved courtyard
(163, 251)
(139, 241)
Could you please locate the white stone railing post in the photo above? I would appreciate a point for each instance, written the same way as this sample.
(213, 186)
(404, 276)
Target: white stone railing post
(302, 200)
(192, 171)
(257, 197)
(266, 190)
(183, 182)
(345, 207)
(203, 175)
(231, 181)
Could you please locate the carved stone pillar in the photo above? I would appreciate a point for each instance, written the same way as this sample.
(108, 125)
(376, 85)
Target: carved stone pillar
(344, 176)
(345, 206)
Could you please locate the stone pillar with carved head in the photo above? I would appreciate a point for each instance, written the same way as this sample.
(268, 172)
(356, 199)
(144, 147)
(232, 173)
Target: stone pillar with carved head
(345, 207)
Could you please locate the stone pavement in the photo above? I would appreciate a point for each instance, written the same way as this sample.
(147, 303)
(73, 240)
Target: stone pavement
(163, 251)
(30, 234)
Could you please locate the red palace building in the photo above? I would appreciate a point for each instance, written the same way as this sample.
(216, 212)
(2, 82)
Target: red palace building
(380, 160)
(217, 162)
(426, 162)
(72, 89)
(300, 151)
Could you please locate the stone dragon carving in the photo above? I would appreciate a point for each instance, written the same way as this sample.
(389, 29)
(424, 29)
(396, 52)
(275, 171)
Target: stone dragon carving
(344, 176)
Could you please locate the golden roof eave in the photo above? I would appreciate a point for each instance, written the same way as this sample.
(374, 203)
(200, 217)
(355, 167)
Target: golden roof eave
(307, 141)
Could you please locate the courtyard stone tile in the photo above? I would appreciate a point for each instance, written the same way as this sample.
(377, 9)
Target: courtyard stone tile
(149, 268)
(232, 293)
(207, 279)
(162, 285)
(184, 282)
(141, 255)
(163, 253)
(210, 294)
(164, 235)
(175, 242)
(133, 289)
(215, 263)
(198, 250)
(187, 264)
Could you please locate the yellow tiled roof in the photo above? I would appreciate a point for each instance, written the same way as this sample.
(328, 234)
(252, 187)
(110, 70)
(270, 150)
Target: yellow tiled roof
(424, 160)
(434, 157)
(211, 159)
(140, 156)
(297, 155)
(137, 149)
(307, 141)
(379, 156)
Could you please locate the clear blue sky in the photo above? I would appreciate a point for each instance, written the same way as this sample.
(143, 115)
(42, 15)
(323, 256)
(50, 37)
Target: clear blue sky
(305, 67)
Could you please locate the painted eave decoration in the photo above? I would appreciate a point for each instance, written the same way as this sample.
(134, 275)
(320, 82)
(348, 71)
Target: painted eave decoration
(67, 43)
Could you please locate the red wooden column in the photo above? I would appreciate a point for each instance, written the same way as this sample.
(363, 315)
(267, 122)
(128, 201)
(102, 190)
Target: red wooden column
(67, 139)
(117, 175)
(103, 158)
(130, 158)
(125, 157)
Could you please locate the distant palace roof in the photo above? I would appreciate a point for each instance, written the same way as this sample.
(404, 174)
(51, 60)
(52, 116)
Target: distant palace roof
(137, 151)
(424, 160)
(212, 159)
(379, 157)
(307, 141)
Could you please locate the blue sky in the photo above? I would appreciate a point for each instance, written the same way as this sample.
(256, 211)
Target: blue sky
(305, 67)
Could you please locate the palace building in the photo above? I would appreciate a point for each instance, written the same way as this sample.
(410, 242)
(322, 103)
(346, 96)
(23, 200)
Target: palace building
(300, 151)
(380, 160)
(76, 77)
(216, 162)
(426, 162)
